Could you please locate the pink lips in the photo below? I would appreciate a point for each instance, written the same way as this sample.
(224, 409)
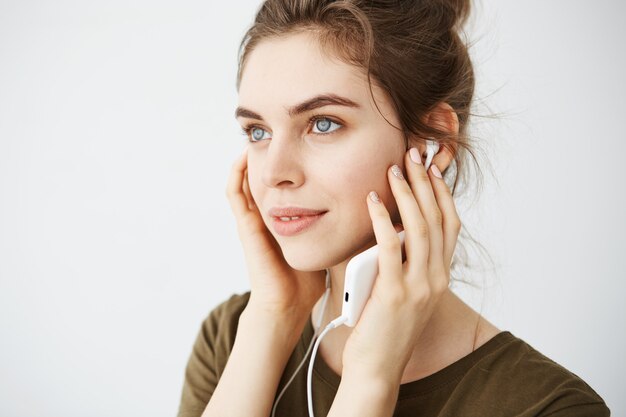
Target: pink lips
(292, 227)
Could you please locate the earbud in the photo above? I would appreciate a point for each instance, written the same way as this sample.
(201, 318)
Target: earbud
(432, 148)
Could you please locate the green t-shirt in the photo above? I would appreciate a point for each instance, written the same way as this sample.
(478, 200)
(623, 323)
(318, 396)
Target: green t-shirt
(503, 377)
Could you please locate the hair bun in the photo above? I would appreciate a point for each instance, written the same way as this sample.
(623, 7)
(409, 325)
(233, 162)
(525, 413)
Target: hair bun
(461, 10)
(454, 13)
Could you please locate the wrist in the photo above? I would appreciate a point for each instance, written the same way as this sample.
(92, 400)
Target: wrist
(282, 311)
(285, 329)
(369, 396)
(383, 375)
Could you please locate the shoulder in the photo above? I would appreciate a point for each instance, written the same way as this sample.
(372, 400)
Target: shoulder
(217, 332)
(209, 355)
(521, 377)
(220, 326)
(232, 307)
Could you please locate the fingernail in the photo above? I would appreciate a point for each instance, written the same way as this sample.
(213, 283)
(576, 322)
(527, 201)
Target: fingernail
(435, 170)
(415, 156)
(374, 197)
(397, 172)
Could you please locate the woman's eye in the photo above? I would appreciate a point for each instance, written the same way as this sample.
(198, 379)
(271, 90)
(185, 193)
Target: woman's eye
(256, 133)
(321, 125)
(325, 125)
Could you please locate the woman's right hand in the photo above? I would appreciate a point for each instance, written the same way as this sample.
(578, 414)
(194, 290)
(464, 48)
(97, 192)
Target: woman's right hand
(276, 287)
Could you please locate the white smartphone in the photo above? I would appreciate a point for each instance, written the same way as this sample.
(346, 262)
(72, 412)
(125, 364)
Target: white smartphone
(361, 273)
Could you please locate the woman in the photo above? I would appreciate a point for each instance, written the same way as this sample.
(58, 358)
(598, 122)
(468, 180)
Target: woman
(337, 99)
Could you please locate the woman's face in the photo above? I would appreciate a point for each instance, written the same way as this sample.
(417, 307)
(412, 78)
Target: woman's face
(318, 143)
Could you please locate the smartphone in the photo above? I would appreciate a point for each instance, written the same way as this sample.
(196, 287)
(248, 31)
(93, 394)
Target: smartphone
(361, 273)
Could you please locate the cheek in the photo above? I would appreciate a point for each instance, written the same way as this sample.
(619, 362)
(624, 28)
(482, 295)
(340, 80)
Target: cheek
(356, 178)
(366, 171)
(362, 177)
(366, 168)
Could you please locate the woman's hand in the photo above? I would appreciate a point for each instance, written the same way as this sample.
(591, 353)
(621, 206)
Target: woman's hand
(405, 294)
(277, 288)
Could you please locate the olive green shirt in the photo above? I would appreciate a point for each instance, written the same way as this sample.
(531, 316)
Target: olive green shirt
(503, 377)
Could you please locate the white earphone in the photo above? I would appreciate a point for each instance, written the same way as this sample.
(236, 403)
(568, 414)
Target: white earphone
(432, 148)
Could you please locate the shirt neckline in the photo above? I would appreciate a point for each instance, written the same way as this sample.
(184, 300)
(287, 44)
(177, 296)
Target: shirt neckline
(432, 382)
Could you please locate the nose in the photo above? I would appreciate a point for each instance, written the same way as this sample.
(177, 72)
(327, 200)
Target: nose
(282, 166)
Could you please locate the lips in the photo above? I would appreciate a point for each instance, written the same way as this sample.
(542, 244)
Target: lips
(294, 212)
(285, 226)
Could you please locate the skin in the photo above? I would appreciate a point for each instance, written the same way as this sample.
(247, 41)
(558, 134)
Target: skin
(295, 163)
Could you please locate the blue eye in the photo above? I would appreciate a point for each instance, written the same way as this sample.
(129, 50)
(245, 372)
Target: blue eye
(325, 125)
(321, 126)
(256, 134)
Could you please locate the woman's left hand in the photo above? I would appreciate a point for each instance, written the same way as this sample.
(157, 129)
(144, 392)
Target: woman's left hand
(404, 294)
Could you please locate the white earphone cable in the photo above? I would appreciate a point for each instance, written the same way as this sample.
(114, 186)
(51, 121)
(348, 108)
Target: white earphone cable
(333, 324)
(315, 334)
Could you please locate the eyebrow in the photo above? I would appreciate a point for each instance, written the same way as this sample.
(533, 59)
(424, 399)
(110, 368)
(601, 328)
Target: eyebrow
(308, 105)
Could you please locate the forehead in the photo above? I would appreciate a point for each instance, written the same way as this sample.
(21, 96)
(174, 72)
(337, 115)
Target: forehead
(290, 69)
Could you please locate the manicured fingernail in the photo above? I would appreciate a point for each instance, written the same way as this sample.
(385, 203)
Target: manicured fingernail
(415, 156)
(397, 172)
(374, 197)
(435, 170)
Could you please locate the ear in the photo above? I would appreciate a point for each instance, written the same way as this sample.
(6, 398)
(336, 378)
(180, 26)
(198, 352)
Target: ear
(444, 118)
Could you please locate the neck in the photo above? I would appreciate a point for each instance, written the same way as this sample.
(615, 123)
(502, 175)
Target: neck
(335, 296)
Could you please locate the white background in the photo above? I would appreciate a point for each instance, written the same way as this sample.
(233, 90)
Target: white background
(116, 239)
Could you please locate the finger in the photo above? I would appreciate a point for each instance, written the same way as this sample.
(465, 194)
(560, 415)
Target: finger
(389, 254)
(234, 189)
(246, 191)
(451, 220)
(416, 242)
(422, 190)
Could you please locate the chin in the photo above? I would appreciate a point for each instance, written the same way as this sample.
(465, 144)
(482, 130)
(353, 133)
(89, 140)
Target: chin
(311, 258)
(305, 262)
(323, 249)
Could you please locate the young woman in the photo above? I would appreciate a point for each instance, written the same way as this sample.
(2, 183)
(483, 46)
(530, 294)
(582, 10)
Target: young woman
(338, 99)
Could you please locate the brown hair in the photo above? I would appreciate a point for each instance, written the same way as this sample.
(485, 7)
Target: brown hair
(413, 49)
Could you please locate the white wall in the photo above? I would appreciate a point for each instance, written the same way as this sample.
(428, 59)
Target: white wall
(116, 138)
